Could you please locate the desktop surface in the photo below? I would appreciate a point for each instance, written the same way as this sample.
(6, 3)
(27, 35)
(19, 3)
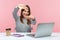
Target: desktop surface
(54, 36)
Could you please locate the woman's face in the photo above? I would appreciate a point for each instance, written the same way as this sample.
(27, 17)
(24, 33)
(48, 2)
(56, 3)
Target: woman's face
(25, 12)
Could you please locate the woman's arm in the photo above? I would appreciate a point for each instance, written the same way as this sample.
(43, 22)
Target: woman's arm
(15, 13)
(33, 21)
(32, 18)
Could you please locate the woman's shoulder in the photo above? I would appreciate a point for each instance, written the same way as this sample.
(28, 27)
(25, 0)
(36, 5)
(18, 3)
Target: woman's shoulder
(18, 18)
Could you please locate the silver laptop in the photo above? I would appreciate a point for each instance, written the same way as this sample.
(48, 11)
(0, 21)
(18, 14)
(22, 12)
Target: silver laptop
(43, 30)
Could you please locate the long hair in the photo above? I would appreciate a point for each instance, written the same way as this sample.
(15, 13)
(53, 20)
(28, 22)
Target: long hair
(21, 17)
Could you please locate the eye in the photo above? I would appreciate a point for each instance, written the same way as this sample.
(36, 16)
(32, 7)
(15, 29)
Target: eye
(25, 10)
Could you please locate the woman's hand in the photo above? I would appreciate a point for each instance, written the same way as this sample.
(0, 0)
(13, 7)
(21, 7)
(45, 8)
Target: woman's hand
(32, 17)
(29, 17)
(21, 6)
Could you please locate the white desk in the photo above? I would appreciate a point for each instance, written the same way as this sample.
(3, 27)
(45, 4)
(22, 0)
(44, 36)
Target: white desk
(54, 36)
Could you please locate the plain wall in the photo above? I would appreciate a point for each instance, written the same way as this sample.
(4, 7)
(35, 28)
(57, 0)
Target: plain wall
(44, 11)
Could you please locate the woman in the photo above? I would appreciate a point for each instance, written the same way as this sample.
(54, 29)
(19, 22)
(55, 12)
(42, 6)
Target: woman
(23, 22)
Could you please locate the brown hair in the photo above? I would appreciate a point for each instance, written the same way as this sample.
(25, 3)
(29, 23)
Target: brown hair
(21, 17)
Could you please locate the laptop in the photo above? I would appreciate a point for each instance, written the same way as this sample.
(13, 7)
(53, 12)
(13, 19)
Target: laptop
(43, 30)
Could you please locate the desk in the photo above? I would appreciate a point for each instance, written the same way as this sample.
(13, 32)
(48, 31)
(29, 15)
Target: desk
(54, 36)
